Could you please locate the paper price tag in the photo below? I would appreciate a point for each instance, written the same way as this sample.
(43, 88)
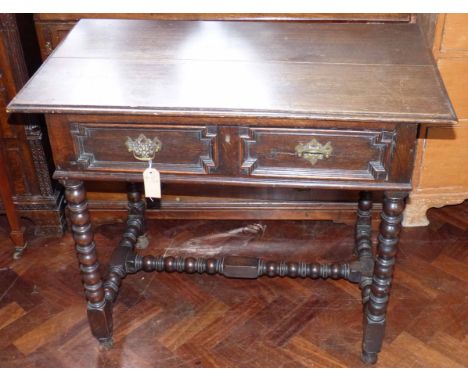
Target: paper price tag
(152, 182)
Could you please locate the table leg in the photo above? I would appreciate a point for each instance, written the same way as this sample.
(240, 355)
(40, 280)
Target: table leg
(136, 213)
(99, 310)
(376, 307)
(363, 242)
(123, 259)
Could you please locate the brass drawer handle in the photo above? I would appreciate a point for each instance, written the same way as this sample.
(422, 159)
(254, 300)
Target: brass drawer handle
(314, 151)
(143, 148)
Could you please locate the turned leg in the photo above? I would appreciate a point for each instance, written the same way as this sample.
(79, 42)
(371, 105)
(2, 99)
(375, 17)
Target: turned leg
(123, 258)
(376, 307)
(363, 223)
(99, 310)
(136, 208)
(363, 242)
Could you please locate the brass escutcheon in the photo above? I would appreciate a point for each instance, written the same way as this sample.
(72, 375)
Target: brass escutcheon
(314, 151)
(143, 148)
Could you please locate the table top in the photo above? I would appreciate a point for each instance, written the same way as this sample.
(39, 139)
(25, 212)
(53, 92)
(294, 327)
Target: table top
(368, 72)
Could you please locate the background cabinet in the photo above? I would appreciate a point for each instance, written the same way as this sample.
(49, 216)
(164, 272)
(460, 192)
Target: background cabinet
(24, 139)
(441, 175)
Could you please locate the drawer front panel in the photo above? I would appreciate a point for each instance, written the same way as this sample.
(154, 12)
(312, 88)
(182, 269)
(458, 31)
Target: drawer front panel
(317, 153)
(180, 149)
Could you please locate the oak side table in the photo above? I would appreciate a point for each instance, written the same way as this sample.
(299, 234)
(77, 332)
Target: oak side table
(325, 106)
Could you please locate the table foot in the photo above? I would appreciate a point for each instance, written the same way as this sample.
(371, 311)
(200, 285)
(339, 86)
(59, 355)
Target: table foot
(18, 253)
(100, 320)
(368, 358)
(106, 343)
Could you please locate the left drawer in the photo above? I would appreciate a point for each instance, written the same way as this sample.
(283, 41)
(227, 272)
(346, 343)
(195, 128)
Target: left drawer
(128, 148)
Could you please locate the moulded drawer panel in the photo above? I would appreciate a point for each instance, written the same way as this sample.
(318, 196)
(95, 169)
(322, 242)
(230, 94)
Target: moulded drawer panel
(317, 153)
(183, 149)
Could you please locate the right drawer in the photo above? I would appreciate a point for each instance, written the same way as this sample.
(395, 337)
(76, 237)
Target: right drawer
(317, 153)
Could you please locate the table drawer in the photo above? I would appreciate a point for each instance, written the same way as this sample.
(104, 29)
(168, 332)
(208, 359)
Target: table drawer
(317, 153)
(125, 147)
(192, 150)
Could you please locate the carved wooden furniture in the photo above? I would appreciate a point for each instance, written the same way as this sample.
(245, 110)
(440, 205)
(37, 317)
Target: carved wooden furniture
(441, 176)
(179, 201)
(311, 106)
(26, 148)
(6, 196)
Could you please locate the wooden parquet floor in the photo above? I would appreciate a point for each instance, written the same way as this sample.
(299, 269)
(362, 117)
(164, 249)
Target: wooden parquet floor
(176, 320)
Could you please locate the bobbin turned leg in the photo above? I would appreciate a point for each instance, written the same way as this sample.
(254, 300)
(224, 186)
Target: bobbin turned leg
(134, 236)
(363, 223)
(136, 213)
(123, 258)
(99, 310)
(376, 307)
(363, 242)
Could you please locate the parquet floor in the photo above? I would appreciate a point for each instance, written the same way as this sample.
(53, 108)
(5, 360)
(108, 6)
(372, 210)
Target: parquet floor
(173, 320)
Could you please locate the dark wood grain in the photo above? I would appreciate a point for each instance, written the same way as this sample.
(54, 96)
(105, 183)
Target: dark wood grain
(53, 27)
(246, 42)
(320, 71)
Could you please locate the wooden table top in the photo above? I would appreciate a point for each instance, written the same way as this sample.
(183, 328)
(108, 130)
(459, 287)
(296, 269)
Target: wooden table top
(368, 72)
